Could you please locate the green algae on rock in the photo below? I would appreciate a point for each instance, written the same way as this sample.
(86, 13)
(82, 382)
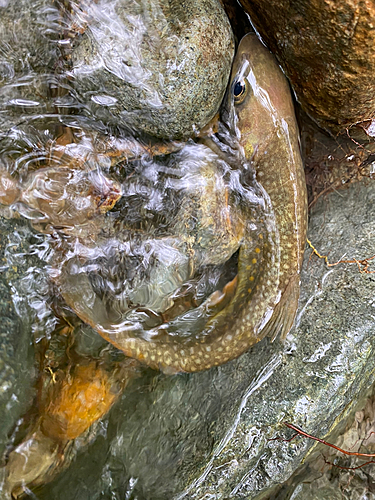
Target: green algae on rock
(157, 66)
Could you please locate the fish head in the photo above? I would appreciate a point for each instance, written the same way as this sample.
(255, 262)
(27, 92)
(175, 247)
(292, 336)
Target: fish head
(258, 105)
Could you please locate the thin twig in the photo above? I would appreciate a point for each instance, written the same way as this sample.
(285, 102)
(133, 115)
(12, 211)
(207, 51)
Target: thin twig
(365, 263)
(305, 434)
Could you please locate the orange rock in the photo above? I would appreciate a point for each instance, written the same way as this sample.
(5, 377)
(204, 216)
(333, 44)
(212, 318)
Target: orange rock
(77, 402)
(9, 189)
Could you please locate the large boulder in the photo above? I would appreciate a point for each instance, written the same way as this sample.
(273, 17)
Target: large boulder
(159, 67)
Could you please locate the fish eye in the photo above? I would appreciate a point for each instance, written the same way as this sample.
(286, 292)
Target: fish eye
(239, 91)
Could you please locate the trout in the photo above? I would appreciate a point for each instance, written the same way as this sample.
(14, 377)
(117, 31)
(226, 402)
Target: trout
(259, 114)
(259, 111)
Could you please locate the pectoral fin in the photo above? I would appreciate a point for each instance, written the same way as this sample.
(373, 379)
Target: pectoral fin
(284, 313)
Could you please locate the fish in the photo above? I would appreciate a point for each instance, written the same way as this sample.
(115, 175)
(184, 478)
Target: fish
(258, 112)
(166, 251)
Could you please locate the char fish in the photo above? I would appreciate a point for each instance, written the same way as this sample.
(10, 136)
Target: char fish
(259, 111)
(259, 114)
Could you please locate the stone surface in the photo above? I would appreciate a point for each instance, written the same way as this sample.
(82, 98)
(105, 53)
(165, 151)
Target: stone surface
(209, 435)
(28, 55)
(157, 66)
(19, 275)
(326, 50)
(331, 474)
(146, 66)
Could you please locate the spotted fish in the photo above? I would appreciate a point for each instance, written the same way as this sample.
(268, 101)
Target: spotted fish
(260, 112)
(264, 295)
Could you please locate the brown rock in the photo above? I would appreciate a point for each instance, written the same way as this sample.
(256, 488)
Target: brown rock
(326, 48)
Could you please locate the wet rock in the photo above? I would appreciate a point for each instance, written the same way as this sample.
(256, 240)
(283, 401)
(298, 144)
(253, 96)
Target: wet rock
(17, 359)
(210, 435)
(329, 473)
(27, 36)
(326, 50)
(28, 54)
(156, 66)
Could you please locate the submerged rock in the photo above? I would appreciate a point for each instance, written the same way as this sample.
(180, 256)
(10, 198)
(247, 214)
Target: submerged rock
(17, 373)
(151, 66)
(27, 34)
(156, 66)
(326, 50)
(212, 434)
(28, 53)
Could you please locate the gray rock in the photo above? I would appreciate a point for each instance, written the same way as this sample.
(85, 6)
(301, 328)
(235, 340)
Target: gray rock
(28, 37)
(327, 473)
(211, 435)
(22, 283)
(28, 55)
(158, 66)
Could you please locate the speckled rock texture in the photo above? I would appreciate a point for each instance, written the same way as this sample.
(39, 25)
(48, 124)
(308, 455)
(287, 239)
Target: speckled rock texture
(160, 67)
(28, 55)
(26, 36)
(17, 359)
(210, 435)
(329, 474)
(326, 50)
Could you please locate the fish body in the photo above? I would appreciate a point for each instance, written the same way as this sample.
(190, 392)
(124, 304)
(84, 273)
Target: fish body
(260, 111)
(264, 295)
